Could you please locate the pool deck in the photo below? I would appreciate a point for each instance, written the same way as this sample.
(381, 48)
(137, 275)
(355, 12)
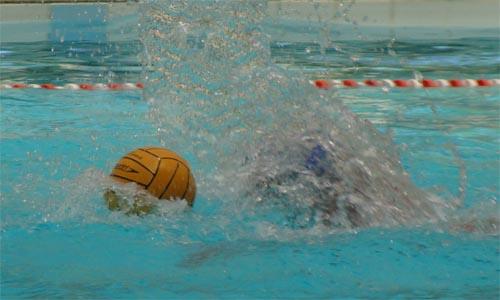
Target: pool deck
(30, 20)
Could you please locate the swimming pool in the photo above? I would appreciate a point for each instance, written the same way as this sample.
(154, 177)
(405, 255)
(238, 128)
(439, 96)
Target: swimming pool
(60, 241)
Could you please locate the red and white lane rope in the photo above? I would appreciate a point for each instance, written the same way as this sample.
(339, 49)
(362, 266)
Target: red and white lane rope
(320, 84)
(76, 86)
(404, 83)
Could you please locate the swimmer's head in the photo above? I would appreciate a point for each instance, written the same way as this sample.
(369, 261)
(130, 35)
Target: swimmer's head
(315, 160)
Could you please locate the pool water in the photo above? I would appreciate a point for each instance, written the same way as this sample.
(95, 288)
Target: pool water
(60, 241)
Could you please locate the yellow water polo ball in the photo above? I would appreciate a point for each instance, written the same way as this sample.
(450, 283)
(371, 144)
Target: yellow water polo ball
(161, 172)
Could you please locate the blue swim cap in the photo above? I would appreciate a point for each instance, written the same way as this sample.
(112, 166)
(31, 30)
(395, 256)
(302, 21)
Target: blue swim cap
(318, 153)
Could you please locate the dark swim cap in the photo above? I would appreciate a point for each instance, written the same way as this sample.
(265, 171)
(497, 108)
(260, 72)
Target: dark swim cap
(313, 161)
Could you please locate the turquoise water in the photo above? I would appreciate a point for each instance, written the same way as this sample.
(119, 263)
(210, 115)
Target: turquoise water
(60, 241)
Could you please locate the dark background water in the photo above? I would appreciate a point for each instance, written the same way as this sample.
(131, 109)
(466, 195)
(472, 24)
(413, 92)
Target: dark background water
(76, 61)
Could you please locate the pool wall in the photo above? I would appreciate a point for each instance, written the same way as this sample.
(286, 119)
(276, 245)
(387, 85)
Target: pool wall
(29, 22)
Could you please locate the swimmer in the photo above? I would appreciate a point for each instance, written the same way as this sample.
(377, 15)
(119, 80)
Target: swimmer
(336, 183)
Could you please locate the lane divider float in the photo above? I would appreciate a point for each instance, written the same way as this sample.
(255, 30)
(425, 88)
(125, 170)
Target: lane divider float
(76, 86)
(405, 83)
(324, 84)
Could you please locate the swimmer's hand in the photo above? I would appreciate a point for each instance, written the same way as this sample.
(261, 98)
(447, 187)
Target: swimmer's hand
(140, 206)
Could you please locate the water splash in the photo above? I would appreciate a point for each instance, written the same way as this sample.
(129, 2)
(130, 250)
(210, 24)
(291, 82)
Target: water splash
(250, 125)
